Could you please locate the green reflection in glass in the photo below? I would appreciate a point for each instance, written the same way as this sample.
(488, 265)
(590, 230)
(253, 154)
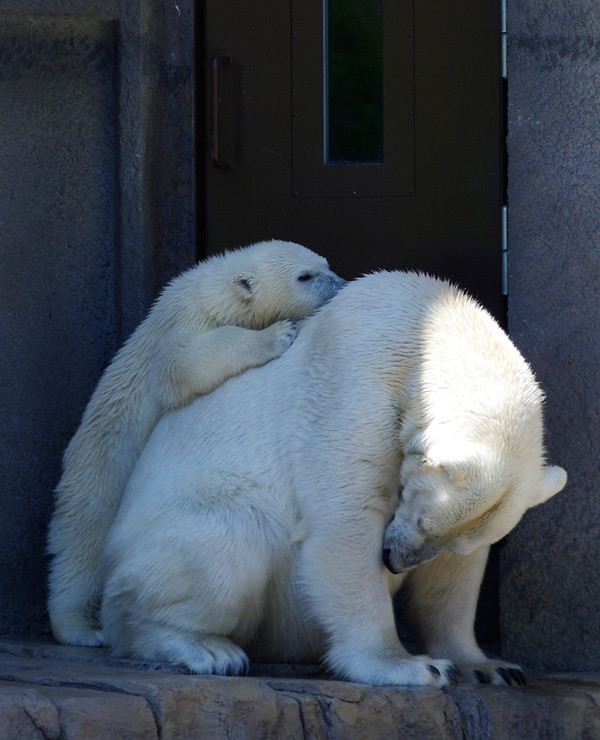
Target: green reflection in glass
(353, 81)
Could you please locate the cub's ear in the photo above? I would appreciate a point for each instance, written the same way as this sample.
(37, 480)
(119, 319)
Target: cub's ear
(243, 283)
(554, 480)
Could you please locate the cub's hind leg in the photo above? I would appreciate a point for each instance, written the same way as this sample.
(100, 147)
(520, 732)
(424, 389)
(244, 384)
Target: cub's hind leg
(187, 578)
(199, 653)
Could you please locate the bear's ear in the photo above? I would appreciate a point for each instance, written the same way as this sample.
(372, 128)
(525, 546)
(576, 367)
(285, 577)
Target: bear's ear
(243, 283)
(553, 480)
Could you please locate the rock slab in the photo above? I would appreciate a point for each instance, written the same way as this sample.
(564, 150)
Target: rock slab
(549, 597)
(49, 691)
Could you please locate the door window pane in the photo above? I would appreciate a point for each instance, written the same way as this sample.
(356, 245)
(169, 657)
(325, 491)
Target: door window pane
(350, 139)
(353, 41)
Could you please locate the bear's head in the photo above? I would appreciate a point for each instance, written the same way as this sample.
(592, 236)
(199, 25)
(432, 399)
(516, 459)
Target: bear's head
(462, 496)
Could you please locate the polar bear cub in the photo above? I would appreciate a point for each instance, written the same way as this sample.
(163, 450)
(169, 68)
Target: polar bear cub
(212, 322)
(253, 524)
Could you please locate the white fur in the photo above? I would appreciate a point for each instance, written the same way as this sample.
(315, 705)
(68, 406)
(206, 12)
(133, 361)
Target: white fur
(212, 322)
(253, 523)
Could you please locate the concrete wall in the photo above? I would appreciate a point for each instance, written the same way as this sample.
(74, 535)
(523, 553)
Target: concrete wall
(550, 569)
(58, 267)
(96, 211)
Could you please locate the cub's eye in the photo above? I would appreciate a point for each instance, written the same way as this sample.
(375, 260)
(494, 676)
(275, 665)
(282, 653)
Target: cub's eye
(305, 276)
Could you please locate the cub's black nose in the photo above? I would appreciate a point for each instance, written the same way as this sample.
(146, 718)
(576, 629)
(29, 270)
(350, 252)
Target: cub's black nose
(387, 553)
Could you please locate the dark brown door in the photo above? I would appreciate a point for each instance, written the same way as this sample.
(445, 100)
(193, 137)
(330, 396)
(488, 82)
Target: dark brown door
(368, 130)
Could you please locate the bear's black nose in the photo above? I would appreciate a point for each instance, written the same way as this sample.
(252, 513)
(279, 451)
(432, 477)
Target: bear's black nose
(387, 553)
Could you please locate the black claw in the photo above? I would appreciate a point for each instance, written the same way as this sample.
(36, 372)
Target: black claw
(504, 675)
(517, 676)
(481, 677)
(453, 674)
(433, 670)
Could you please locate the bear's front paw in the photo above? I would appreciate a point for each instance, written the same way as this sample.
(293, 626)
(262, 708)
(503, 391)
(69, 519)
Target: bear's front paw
(496, 672)
(424, 671)
(450, 672)
(396, 668)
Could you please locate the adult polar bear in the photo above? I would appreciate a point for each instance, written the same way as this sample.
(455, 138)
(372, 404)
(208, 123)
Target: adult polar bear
(253, 523)
(213, 321)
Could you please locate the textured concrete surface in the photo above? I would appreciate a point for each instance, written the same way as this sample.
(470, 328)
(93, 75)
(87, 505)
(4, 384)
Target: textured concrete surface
(49, 691)
(96, 211)
(550, 570)
(57, 270)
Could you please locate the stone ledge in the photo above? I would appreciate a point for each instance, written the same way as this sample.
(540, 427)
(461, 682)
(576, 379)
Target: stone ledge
(51, 691)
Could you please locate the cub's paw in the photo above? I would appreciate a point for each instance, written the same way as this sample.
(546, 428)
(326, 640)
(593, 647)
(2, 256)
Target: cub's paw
(91, 638)
(279, 337)
(496, 672)
(78, 634)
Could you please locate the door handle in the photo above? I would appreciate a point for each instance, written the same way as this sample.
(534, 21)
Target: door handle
(220, 59)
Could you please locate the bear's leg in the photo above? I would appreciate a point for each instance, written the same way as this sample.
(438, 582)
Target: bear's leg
(442, 598)
(178, 616)
(187, 584)
(195, 366)
(350, 595)
(72, 593)
(199, 653)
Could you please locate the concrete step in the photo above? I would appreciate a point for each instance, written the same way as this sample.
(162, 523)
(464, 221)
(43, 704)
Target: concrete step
(55, 692)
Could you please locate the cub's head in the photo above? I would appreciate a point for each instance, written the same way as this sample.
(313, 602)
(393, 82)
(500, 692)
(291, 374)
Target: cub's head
(463, 498)
(280, 280)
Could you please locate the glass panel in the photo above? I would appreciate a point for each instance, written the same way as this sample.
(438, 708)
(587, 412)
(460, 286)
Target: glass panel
(353, 36)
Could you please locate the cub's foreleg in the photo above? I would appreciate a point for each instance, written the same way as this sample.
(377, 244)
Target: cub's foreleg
(196, 365)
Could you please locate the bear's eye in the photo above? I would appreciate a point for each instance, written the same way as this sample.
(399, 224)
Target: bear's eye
(305, 276)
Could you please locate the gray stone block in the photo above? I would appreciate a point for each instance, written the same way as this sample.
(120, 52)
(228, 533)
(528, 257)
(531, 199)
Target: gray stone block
(58, 267)
(25, 713)
(542, 711)
(96, 214)
(549, 598)
(50, 712)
